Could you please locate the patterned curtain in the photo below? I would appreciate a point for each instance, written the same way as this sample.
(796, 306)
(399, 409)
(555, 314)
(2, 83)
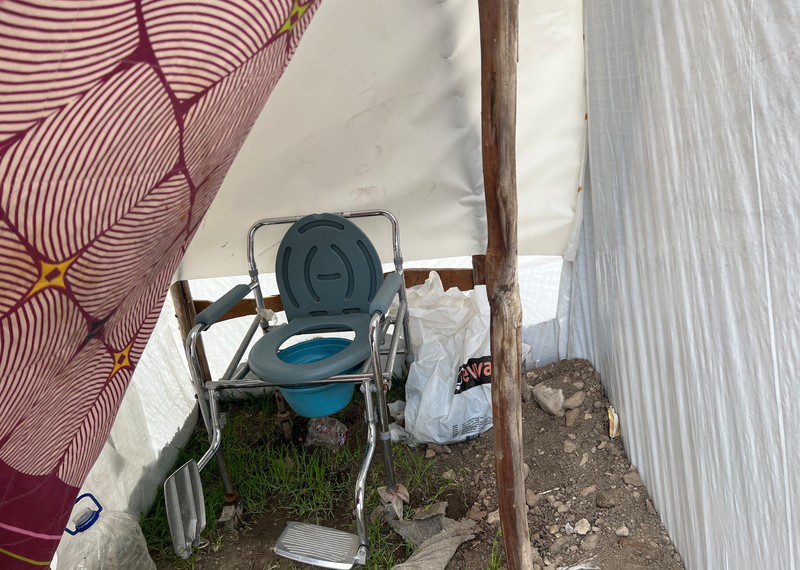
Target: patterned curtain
(118, 122)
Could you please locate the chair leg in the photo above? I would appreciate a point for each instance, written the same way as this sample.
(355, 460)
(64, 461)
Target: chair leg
(406, 331)
(383, 410)
(369, 452)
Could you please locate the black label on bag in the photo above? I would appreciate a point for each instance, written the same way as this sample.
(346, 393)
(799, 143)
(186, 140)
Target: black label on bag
(475, 372)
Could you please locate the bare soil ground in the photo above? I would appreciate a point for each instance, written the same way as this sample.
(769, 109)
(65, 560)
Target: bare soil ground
(586, 502)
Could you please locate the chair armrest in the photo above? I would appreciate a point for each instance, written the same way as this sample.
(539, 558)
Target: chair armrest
(216, 310)
(383, 298)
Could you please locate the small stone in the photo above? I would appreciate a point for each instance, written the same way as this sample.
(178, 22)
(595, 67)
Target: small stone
(527, 392)
(622, 531)
(584, 459)
(569, 529)
(563, 508)
(582, 527)
(598, 405)
(430, 454)
(575, 401)
(531, 498)
(572, 417)
(558, 545)
(632, 478)
(578, 385)
(493, 517)
(588, 490)
(590, 542)
(551, 400)
(570, 446)
(449, 475)
(476, 513)
(483, 493)
(447, 449)
(605, 500)
(552, 529)
(525, 471)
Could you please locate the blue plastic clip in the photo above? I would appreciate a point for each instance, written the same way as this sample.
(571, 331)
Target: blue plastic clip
(88, 517)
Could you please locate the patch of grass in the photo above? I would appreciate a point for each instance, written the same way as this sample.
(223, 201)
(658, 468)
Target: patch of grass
(498, 556)
(315, 484)
(413, 464)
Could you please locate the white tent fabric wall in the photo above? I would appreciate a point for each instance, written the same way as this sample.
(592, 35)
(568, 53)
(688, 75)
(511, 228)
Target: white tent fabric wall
(380, 108)
(693, 232)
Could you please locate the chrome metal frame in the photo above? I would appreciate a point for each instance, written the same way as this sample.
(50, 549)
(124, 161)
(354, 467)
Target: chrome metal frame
(371, 376)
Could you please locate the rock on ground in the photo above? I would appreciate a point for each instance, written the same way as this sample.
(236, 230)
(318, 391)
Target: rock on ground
(551, 400)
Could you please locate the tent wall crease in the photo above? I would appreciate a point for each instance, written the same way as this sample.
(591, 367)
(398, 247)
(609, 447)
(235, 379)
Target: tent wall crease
(692, 258)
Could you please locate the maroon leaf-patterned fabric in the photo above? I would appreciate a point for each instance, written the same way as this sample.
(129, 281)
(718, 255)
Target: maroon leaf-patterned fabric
(118, 122)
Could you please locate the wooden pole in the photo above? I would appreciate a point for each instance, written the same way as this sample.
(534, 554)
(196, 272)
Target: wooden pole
(499, 37)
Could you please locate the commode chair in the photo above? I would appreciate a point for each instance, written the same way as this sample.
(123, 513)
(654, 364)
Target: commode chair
(330, 281)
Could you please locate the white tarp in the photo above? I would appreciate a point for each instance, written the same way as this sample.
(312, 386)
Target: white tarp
(380, 108)
(687, 280)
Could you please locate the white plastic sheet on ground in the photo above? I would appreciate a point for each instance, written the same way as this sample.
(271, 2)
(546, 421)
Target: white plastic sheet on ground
(687, 277)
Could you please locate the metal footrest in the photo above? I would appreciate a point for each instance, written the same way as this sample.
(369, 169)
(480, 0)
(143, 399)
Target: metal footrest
(320, 546)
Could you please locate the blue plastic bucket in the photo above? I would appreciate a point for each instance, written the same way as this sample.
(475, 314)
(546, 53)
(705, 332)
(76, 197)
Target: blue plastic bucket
(319, 400)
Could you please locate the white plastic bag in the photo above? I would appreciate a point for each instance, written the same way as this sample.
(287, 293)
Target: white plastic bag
(449, 392)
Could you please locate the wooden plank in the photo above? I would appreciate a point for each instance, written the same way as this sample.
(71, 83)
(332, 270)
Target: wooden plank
(461, 278)
(478, 270)
(499, 44)
(185, 311)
